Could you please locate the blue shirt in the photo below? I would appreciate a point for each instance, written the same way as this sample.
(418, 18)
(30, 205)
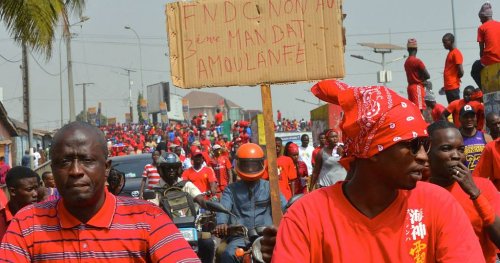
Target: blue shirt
(250, 203)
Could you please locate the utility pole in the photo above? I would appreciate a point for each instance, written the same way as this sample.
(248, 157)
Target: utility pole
(84, 85)
(453, 19)
(71, 90)
(130, 94)
(26, 99)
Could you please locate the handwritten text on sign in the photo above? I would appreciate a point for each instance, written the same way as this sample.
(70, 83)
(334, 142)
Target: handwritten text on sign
(247, 42)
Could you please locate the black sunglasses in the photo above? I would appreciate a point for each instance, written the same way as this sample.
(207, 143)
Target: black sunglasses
(415, 144)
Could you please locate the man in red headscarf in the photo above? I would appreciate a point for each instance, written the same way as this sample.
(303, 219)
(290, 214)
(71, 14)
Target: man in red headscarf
(292, 151)
(382, 214)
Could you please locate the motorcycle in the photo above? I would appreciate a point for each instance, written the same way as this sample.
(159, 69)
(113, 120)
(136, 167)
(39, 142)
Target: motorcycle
(250, 252)
(197, 226)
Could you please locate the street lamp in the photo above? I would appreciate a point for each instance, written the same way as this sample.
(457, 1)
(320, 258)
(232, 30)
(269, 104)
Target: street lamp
(140, 54)
(453, 19)
(71, 91)
(383, 49)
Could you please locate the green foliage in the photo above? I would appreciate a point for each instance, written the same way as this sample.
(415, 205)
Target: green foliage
(33, 22)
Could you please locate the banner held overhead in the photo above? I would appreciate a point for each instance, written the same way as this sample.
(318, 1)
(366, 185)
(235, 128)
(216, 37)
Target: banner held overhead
(241, 42)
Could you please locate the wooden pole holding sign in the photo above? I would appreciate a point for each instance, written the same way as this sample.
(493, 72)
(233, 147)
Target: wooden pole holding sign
(267, 108)
(255, 42)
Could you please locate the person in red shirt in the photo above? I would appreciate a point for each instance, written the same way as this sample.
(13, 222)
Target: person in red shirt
(437, 109)
(219, 116)
(202, 177)
(22, 183)
(205, 142)
(383, 213)
(455, 107)
(150, 174)
(292, 151)
(245, 138)
(478, 196)
(416, 74)
(4, 168)
(489, 43)
(286, 171)
(322, 142)
(453, 69)
(89, 224)
(222, 168)
(489, 163)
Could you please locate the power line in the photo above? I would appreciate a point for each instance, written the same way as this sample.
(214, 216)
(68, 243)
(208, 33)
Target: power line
(117, 67)
(118, 43)
(409, 32)
(44, 70)
(10, 60)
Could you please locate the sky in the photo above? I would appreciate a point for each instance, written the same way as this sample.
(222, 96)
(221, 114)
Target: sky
(102, 47)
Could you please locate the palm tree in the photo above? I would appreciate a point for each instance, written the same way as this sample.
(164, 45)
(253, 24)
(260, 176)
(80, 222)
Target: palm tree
(32, 25)
(33, 22)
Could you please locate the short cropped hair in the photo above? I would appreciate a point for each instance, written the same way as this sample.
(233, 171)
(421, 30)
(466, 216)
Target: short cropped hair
(84, 126)
(440, 125)
(45, 174)
(17, 173)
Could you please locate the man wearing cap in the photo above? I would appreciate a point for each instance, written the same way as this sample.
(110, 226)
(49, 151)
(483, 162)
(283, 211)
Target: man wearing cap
(455, 106)
(416, 74)
(383, 213)
(489, 42)
(437, 109)
(474, 140)
(453, 69)
(201, 176)
(222, 167)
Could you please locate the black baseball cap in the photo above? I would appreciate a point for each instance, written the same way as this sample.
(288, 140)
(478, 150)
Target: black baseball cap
(467, 109)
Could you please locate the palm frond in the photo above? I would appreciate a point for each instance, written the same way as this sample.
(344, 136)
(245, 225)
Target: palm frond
(33, 22)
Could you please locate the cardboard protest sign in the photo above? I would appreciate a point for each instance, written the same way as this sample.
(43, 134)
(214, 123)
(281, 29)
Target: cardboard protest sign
(242, 42)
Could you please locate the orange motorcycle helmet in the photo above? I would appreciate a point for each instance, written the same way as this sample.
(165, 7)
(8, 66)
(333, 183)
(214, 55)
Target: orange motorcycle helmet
(250, 162)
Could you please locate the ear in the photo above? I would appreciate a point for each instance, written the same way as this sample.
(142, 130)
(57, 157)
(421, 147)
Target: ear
(108, 167)
(12, 191)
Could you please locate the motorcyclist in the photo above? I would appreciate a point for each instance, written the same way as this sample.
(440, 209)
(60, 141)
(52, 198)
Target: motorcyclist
(249, 199)
(170, 170)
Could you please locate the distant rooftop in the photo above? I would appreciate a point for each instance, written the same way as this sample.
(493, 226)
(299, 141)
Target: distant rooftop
(200, 99)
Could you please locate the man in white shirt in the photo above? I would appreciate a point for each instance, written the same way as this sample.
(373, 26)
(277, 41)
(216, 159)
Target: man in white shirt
(305, 153)
(37, 156)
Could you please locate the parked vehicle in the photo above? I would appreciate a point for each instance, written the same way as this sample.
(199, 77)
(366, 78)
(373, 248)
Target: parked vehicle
(132, 166)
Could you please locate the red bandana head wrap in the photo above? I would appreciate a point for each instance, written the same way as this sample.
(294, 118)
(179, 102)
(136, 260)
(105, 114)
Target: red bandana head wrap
(293, 149)
(375, 117)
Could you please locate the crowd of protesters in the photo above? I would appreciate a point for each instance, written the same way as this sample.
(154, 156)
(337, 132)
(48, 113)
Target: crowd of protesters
(394, 188)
